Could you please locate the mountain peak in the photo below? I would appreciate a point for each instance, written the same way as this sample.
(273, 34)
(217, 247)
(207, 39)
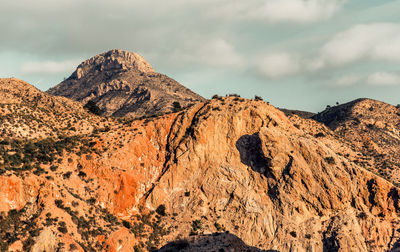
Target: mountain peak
(113, 60)
(122, 83)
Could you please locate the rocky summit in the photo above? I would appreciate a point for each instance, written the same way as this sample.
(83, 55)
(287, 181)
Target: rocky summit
(228, 174)
(123, 84)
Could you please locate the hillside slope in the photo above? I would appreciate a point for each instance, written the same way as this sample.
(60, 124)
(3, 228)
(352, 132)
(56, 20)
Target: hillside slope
(123, 84)
(28, 113)
(373, 127)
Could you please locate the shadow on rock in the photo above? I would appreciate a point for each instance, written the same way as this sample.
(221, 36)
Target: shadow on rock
(218, 242)
(251, 154)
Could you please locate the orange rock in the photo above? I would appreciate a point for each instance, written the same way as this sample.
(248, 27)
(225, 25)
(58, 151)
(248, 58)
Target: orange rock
(16, 192)
(121, 240)
(16, 247)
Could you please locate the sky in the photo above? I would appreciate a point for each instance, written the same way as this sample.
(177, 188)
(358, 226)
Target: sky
(297, 54)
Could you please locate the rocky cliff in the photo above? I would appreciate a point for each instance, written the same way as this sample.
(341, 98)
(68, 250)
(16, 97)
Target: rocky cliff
(276, 187)
(123, 84)
(232, 172)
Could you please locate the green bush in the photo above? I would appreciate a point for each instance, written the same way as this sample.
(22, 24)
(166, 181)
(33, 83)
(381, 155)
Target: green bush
(161, 210)
(176, 106)
(196, 225)
(330, 160)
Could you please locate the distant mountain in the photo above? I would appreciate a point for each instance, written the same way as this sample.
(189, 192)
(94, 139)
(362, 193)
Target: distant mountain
(374, 128)
(301, 113)
(122, 83)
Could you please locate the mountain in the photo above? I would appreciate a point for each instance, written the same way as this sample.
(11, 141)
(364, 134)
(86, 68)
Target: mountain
(228, 173)
(123, 84)
(373, 127)
(243, 166)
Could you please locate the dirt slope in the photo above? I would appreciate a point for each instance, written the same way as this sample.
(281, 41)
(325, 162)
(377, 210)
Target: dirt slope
(28, 113)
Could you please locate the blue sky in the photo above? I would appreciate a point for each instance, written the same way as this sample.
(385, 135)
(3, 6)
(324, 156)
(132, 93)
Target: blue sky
(300, 54)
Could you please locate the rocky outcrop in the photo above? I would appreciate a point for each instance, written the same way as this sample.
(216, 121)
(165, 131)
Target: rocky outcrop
(16, 192)
(124, 84)
(113, 60)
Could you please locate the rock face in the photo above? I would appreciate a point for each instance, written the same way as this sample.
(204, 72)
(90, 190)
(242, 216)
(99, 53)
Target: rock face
(276, 187)
(229, 173)
(124, 84)
(373, 127)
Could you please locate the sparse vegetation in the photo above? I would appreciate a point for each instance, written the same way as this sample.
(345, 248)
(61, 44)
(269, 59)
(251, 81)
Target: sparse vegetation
(258, 98)
(176, 107)
(15, 225)
(161, 210)
(218, 226)
(196, 225)
(330, 160)
(62, 227)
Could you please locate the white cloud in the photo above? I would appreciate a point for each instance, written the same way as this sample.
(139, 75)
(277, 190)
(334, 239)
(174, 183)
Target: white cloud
(276, 11)
(279, 65)
(383, 79)
(378, 41)
(360, 43)
(313, 65)
(374, 79)
(348, 80)
(284, 64)
(218, 52)
(48, 67)
(215, 52)
(303, 11)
